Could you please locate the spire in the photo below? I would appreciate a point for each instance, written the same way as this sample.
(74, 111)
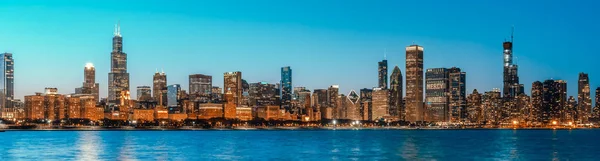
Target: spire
(512, 32)
(118, 29)
(385, 54)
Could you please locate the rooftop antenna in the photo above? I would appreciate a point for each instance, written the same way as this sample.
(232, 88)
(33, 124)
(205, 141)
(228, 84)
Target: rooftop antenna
(385, 54)
(512, 32)
(118, 28)
(162, 70)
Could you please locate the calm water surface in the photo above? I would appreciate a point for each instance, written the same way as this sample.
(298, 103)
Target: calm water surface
(302, 145)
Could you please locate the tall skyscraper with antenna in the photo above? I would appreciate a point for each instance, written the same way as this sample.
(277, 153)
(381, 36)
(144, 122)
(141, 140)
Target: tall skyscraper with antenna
(383, 73)
(512, 87)
(118, 78)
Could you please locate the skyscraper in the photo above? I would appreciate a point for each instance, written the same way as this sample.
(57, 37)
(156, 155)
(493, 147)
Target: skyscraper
(381, 104)
(173, 96)
(89, 83)
(512, 87)
(262, 94)
(7, 83)
(457, 88)
(144, 93)
(159, 88)
(554, 101)
(118, 78)
(332, 100)
(437, 95)
(200, 87)
(232, 81)
(537, 100)
(353, 106)
(396, 104)
(414, 83)
(366, 103)
(383, 74)
(475, 112)
(584, 97)
(286, 87)
(597, 107)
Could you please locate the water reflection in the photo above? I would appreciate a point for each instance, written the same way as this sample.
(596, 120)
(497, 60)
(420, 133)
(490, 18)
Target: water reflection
(89, 145)
(127, 150)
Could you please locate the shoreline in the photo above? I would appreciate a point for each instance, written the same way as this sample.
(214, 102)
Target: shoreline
(278, 129)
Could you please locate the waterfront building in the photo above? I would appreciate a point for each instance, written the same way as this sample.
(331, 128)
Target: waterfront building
(353, 106)
(396, 103)
(243, 113)
(144, 93)
(554, 101)
(7, 84)
(366, 104)
(159, 88)
(210, 110)
(457, 94)
(512, 87)
(143, 115)
(492, 106)
(383, 74)
(437, 99)
(263, 94)
(537, 100)
(584, 98)
(230, 106)
(89, 82)
(597, 107)
(118, 78)
(233, 83)
(414, 83)
(173, 97)
(474, 108)
(332, 101)
(380, 106)
(200, 87)
(286, 88)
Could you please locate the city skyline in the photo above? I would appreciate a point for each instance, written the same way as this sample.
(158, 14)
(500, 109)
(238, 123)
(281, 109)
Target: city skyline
(259, 70)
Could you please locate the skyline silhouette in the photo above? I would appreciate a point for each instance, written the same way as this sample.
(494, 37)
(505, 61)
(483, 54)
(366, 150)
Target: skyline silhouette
(51, 43)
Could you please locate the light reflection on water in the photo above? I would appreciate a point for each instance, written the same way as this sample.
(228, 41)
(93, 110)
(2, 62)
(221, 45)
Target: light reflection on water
(302, 145)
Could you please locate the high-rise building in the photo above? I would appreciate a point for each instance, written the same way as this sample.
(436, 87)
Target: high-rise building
(353, 106)
(320, 100)
(437, 95)
(366, 103)
(89, 82)
(200, 84)
(383, 74)
(7, 83)
(232, 81)
(118, 78)
(414, 83)
(144, 93)
(332, 100)
(173, 97)
(512, 87)
(554, 101)
(584, 97)
(217, 94)
(492, 106)
(474, 109)
(597, 107)
(381, 103)
(396, 104)
(200, 87)
(286, 88)
(262, 94)
(159, 88)
(457, 94)
(537, 100)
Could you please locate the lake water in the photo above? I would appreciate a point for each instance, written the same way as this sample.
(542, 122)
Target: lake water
(302, 145)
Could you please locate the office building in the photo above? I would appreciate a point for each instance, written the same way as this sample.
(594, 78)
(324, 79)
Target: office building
(396, 93)
(512, 88)
(437, 98)
(286, 88)
(159, 88)
(200, 87)
(383, 74)
(457, 94)
(144, 93)
(233, 82)
(118, 78)
(173, 97)
(381, 104)
(414, 83)
(584, 98)
(7, 84)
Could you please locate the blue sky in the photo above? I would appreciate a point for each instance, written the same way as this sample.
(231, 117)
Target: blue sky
(325, 42)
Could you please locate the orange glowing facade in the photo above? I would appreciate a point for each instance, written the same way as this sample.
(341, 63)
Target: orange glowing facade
(143, 115)
(230, 106)
(243, 113)
(210, 110)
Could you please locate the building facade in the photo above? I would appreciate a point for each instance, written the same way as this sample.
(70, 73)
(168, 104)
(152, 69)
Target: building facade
(414, 83)
(200, 87)
(7, 83)
(457, 94)
(118, 78)
(396, 94)
(286, 88)
(159, 88)
(233, 82)
(512, 87)
(584, 98)
(437, 99)
(382, 78)
(144, 93)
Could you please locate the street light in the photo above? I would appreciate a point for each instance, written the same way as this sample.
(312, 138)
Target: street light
(554, 122)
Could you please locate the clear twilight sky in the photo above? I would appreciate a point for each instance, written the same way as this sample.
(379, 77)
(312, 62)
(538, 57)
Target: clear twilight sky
(325, 42)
